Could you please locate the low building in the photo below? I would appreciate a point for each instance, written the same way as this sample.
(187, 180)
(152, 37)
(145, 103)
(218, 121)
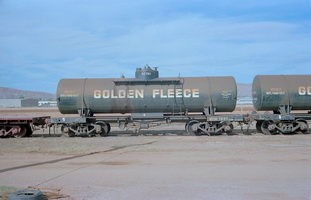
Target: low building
(29, 102)
(18, 103)
(10, 103)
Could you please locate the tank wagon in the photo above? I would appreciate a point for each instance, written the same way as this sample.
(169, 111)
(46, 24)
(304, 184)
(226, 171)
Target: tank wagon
(147, 99)
(282, 94)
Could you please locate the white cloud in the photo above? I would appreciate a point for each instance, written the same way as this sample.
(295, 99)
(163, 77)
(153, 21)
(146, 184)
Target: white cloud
(107, 39)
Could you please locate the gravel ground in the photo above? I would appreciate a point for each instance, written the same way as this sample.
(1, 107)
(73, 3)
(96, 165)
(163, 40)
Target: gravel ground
(171, 165)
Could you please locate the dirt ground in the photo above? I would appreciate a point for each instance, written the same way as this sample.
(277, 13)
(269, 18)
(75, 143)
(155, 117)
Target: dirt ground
(161, 163)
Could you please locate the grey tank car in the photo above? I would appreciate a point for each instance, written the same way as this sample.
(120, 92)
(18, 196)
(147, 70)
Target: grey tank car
(147, 93)
(145, 101)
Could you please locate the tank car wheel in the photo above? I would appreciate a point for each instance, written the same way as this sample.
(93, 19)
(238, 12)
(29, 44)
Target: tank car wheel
(230, 131)
(22, 133)
(105, 128)
(66, 130)
(304, 127)
(71, 134)
(228, 127)
(267, 129)
(258, 126)
(29, 131)
(109, 128)
(192, 128)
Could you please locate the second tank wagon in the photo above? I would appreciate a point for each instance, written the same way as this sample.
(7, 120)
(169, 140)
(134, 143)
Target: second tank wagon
(282, 93)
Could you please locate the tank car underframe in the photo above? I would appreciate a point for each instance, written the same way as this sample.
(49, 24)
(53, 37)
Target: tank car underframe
(196, 124)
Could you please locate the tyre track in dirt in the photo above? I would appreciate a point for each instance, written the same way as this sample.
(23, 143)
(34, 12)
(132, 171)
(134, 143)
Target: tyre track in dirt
(72, 157)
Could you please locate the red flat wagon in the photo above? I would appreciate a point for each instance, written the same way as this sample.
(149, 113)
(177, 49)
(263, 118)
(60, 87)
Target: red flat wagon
(20, 126)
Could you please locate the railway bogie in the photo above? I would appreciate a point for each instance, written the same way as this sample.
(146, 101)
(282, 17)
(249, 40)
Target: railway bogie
(270, 127)
(208, 128)
(82, 126)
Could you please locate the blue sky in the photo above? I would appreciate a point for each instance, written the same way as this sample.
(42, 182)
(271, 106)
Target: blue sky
(44, 41)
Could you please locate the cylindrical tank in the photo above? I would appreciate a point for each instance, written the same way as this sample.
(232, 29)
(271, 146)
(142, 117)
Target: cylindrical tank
(272, 91)
(141, 96)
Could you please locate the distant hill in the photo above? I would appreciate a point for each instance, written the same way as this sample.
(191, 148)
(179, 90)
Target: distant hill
(10, 93)
(244, 90)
